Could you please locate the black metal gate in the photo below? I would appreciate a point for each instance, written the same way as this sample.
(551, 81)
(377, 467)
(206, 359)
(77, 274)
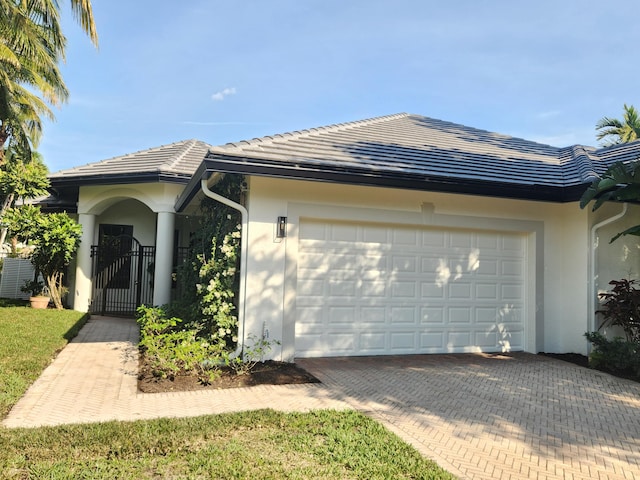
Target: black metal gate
(122, 276)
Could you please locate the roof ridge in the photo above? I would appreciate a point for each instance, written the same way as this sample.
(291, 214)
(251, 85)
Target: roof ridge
(269, 139)
(583, 161)
(189, 145)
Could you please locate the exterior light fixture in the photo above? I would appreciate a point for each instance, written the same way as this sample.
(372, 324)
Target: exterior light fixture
(281, 227)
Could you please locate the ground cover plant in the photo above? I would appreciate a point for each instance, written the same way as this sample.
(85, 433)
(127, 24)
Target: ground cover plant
(29, 339)
(259, 444)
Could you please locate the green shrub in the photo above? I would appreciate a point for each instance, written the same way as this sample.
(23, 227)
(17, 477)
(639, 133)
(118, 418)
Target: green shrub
(621, 307)
(170, 350)
(251, 354)
(617, 356)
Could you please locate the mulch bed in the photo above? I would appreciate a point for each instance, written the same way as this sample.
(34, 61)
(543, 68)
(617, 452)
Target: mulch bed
(265, 373)
(575, 358)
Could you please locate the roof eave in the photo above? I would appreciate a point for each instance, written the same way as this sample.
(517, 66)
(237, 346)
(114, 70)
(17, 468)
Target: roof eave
(354, 176)
(193, 187)
(118, 179)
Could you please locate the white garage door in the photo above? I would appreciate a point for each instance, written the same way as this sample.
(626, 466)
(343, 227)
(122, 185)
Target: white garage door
(383, 290)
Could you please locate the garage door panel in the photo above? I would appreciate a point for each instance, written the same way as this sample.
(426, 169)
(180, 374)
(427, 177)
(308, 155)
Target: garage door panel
(460, 315)
(402, 289)
(434, 239)
(460, 290)
(432, 341)
(404, 264)
(373, 342)
(402, 315)
(486, 315)
(370, 316)
(487, 267)
(512, 292)
(458, 339)
(432, 316)
(511, 268)
(430, 290)
(374, 289)
(460, 239)
(402, 342)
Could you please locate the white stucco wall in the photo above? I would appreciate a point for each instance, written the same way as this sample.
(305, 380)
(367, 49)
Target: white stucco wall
(137, 205)
(560, 304)
(617, 260)
(130, 212)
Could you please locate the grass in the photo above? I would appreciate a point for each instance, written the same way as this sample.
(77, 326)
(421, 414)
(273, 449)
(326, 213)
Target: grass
(262, 444)
(29, 339)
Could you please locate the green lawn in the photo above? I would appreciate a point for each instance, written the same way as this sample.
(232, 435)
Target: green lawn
(29, 339)
(262, 444)
(255, 445)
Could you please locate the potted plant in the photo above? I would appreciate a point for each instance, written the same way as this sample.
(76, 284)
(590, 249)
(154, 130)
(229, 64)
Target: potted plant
(39, 293)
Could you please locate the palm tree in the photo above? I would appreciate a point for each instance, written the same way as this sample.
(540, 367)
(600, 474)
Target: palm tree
(620, 131)
(31, 47)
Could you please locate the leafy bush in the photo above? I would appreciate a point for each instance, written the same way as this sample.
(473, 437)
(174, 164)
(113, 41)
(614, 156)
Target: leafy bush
(171, 350)
(621, 307)
(208, 282)
(251, 355)
(615, 356)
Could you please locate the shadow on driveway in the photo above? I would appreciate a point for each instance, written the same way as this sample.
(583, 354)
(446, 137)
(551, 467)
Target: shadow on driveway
(497, 416)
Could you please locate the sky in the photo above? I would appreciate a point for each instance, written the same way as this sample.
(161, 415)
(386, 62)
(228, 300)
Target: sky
(224, 71)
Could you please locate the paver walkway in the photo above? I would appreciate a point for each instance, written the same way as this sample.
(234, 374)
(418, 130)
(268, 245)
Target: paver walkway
(478, 416)
(93, 379)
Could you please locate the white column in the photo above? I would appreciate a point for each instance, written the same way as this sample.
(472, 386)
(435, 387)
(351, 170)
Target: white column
(164, 258)
(82, 289)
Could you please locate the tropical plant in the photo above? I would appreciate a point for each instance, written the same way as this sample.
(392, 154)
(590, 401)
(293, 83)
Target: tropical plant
(621, 307)
(32, 46)
(620, 183)
(23, 175)
(55, 236)
(209, 280)
(615, 131)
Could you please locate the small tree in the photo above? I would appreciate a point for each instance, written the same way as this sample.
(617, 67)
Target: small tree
(55, 236)
(23, 175)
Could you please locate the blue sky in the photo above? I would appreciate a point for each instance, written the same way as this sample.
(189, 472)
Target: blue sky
(223, 71)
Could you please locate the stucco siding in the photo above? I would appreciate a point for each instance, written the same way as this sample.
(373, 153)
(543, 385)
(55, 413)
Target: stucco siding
(558, 235)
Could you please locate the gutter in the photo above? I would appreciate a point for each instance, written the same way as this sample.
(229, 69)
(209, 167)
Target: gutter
(243, 259)
(593, 299)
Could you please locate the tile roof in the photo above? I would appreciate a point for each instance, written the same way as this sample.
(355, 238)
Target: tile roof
(412, 151)
(401, 150)
(174, 162)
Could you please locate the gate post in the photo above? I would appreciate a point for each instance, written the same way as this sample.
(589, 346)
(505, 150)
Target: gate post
(164, 258)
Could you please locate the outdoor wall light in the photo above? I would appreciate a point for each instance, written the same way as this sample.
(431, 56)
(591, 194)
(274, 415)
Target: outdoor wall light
(281, 227)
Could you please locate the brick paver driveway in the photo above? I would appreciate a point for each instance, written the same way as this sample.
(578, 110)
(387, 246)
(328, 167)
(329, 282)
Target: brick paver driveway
(498, 416)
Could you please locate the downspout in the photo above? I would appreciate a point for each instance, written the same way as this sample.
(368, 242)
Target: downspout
(243, 259)
(592, 274)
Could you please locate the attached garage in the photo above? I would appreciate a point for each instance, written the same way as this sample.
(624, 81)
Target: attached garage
(407, 235)
(376, 289)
